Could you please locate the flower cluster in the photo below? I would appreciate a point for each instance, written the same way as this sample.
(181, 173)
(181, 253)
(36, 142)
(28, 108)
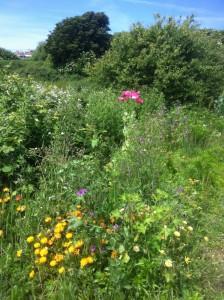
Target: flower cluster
(131, 95)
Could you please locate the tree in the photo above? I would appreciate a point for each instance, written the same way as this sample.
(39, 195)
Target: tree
(7, 55)
(176, 58)
(40, 53)
(77, 35)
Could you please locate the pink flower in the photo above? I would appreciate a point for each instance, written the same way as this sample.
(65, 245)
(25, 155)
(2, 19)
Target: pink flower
(133, 95)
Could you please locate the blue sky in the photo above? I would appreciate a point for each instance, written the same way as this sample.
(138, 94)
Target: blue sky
(24, 23)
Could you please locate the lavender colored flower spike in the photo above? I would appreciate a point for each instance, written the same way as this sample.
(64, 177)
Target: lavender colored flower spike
(81, 192)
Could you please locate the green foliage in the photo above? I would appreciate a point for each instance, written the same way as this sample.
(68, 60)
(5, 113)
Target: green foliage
(176, 58)
(27, 122)
(74, 36)
(7, 55)
(40, 53)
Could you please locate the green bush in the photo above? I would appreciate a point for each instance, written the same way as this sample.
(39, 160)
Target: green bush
(176, 58)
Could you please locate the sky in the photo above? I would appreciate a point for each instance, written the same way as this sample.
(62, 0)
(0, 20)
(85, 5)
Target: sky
(25, 23)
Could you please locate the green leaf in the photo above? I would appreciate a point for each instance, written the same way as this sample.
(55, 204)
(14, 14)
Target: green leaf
(7, 169)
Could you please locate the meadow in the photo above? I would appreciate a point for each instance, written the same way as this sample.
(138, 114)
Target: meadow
(109, 192)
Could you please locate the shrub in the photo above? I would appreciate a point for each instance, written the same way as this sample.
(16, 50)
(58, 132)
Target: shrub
(176, 58)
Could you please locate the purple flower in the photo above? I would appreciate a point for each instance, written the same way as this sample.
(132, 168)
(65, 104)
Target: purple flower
(81, 192)
(92, 248)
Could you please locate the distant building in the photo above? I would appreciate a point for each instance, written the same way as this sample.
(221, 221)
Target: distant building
(24, 54)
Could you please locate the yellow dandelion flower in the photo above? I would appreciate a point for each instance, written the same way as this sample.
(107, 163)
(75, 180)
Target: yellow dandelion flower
(59, 257)
(1, 233)
(44, 240)
(30, 239)
(57, 236)
(37, 251)
(168, 263)
(32, 274)
(42, 260)
(76, 252)
(48, 220)
(50, 242)
(86, 261)
(79, 244)
(176, 234)
(44, 251)
(53, 263)
(19, 253)
(78, 206)
(69, 235)
(67, 244)
(187, 260)
(36, 245)
(5, 190)
(71, 249)
(61, 270)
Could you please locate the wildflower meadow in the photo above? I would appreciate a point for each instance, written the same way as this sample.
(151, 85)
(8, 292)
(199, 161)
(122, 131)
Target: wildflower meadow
(115, 191)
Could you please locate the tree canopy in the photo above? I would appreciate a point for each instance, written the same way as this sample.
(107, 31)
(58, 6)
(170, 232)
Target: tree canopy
(6, 54)
(74, 36)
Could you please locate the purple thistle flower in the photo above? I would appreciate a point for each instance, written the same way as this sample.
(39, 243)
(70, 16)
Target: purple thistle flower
(81, 192)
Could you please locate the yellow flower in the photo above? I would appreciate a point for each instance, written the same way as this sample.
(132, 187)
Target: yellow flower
(48, 220)
(76, 252)
(21, 208)
(187, 260)
(37, 251)
(79, 244)
(86, 261)
(162, 252)
(5, 190)
(176, 233)
(168, 263)
(44, 240)
(6, 199)
(19, 253)
(190, 228)
(50, 242)
(30, 239)
(67, 244)
(1, 233)
(44, 251)
(32, 274)
(69, 235)
(61, 270)
(71, 249)
(78, 206)
(36, 245)
(114, 254)
(57, 236)
(59, 257)
(42, 260)
(205, 238)
(53, 263)
(184, 222)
